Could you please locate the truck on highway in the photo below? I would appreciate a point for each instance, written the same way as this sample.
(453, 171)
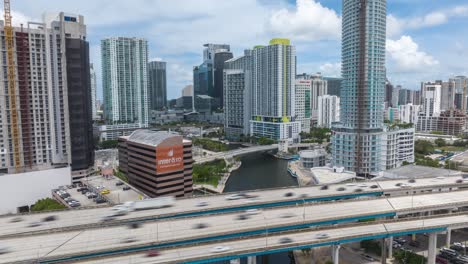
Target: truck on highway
(146, 204)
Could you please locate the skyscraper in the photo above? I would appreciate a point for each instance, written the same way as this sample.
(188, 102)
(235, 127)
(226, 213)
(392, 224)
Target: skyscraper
(273, 93)
(125, 80)
(237, 96)
(92, 74)
(157, 87)
(208, 76)
(361, 142)
(328, 110)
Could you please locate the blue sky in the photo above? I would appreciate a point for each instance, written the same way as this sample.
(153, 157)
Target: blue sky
(426, 39)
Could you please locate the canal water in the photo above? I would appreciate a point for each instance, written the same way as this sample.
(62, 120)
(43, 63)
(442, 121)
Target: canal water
(261, 171)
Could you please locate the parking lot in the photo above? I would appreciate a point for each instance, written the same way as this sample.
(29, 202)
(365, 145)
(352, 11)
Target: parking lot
(116, 193)
(74, 196)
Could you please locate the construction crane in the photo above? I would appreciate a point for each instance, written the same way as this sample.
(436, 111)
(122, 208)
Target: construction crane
(10, 46)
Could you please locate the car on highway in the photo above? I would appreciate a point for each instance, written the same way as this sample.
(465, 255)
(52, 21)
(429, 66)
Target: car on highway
(288, 194)
(285, 240)
(358, 190)
(134, 225)
(153, 253)
(324, 187)
(34, 224)
(107, 218)
(219, 249)
(4, 249)
(234, 197)
(252, 211)
(242, 217)
(340, 189)
(374, 186)
(322, 235)
(49, 218)
(201, 204)
(287, 215)
(128, 240)
(200, 226)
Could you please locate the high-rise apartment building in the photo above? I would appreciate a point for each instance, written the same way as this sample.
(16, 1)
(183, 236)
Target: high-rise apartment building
(303, 103)
(157, 86)
(333, 85)
(388, 93)
(125, 80)
(361, 142)
(92, 74)
(273, 93)
(431, 98)
(328, 110)
(396, 96)
(448, 95)
(237, 96)
(461, 91)
(409, 113)
(54, 144)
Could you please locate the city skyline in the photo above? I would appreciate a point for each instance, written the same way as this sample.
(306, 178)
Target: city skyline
(416, 31)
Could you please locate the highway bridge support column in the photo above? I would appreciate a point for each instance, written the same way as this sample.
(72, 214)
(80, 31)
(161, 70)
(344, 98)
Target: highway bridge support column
(234, 261)
(336, 254)
(431, 255)
(390, 247)
(252, 260)
(384, 251)
(448, 237)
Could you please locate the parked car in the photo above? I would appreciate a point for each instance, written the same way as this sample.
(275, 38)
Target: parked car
(367, 257)
(105, 191)
(126, 188)
(99, 200)
(119, 183)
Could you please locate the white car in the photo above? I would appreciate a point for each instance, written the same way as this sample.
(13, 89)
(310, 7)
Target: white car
(362, 185)
(322, 236)
(218, 249)
(202, 203)
(252, 211)
(4, 250)
(233, 197)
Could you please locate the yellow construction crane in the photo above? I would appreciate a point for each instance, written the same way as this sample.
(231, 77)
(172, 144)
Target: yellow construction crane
(10, 47)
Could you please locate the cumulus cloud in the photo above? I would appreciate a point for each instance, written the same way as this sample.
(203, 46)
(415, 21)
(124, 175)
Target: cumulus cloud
(18, 18)
(331, 69)
(396, 25)
(406, 55)
(309, 21)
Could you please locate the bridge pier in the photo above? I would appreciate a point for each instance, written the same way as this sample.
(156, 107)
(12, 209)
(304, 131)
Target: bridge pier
(383, 259)
(390, 247)
(252, 260)
(234, 261)
(448, 237)
(336, 253)
(432, 248)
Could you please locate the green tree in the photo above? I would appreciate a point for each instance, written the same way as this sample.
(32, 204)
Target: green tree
(371, 246)
(408, 257)
(46, 204)
(440, 142)
(423, 147)
(265, 141)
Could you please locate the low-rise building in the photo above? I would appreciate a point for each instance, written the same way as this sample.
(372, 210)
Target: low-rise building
(164, 117)
(158, 163)
(313, 158)
(113, 132)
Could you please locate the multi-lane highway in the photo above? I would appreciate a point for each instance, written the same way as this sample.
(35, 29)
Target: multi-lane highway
(76, 219)
(175, 232)
(299, 240)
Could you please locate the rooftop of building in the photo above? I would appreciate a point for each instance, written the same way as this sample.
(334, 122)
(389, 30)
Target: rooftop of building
(327, 175)
(149, 137)
(415, 171)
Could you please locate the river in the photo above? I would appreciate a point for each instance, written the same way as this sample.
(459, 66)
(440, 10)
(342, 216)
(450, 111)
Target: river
(261, 171)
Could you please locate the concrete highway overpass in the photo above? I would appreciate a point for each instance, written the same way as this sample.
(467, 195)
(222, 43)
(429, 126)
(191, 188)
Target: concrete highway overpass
(91, 243)
(217, 204)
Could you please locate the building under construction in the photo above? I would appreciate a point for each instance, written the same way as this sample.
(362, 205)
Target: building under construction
(45, 103)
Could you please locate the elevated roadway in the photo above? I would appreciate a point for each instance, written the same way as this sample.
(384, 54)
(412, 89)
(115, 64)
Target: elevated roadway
(216, 204)
(300, 240)
(85, 243)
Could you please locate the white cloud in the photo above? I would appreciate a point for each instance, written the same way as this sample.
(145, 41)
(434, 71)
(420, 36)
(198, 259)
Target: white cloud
(309, 21)
(331, 69)
(17, 18)
(396, 25)
(406, 55)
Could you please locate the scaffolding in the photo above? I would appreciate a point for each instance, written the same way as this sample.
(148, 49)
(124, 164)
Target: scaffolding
(11, 98)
